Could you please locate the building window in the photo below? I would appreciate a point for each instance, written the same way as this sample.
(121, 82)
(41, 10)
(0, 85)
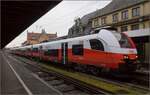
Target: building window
(115, 17)
(96, 22)
(96, 44)
(136, 11)
(135, 27)
(103, 20)
(124, 15)
(33, 37)
(77, 49)
(124, 28)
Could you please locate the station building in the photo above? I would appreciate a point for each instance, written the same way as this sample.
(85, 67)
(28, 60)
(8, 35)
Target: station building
(36, 38)
(131, 17)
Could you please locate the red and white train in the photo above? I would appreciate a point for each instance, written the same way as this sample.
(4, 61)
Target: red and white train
(106, 50)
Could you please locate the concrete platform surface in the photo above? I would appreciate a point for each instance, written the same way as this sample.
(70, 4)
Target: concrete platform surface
(16, 79)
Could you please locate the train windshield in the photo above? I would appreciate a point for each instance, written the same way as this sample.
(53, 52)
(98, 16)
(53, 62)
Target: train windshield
(123, 40)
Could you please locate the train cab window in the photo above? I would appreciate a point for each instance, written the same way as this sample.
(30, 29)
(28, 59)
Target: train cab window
(77, 49)
(51, 52)
(96, 44)
(122, 39)
(124, 42)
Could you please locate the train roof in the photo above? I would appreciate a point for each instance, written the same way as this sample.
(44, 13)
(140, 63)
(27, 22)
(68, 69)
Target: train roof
(104, 34)
(69, 40)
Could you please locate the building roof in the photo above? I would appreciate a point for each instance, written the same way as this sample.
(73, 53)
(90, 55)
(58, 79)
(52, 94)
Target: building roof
(117, 5)
(111, 7)
(86, 18)
(58, 38)
(36, 36)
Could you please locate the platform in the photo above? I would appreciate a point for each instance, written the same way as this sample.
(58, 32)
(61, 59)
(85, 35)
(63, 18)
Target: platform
(17, 80)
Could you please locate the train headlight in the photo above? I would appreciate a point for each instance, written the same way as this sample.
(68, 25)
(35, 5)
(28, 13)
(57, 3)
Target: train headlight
(126, 57)
(136, 56)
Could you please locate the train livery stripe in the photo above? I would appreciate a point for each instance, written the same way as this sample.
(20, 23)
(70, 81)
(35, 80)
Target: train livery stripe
(89, 57)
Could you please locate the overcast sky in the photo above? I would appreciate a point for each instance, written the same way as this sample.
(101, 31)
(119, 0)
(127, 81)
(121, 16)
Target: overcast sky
(60, 18)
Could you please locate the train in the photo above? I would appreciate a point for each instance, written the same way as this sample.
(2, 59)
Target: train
(105, 51)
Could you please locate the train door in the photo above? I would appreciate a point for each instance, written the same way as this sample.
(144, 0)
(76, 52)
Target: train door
(64, 53)
(40, 52)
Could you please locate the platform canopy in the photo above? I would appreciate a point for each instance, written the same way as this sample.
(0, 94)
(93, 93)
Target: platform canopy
(16, 16)
(140, 35)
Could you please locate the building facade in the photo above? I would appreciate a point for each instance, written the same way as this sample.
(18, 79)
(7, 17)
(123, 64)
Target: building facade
(36, 38)
(124, 14)
(130, 16)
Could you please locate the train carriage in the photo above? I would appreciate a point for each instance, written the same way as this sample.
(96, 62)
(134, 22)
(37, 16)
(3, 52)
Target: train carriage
(107, 49)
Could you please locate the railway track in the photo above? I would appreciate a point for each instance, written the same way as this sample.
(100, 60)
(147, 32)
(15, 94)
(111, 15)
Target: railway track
(64, 84)
(141, 78)
(130, 84)
(89, 88)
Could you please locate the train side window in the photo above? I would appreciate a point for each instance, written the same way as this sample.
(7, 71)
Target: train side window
(35, 49)
(77, 49)
(28, 49)
(40, 47)
(51, 52)
(96, 44)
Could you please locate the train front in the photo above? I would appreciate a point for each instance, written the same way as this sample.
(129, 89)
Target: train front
(122, 50)
(128, 58)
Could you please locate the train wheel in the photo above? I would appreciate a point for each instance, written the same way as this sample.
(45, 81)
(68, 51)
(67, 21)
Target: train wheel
(105, 71)
(77, 67)
(80, 68)
(94, 70)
